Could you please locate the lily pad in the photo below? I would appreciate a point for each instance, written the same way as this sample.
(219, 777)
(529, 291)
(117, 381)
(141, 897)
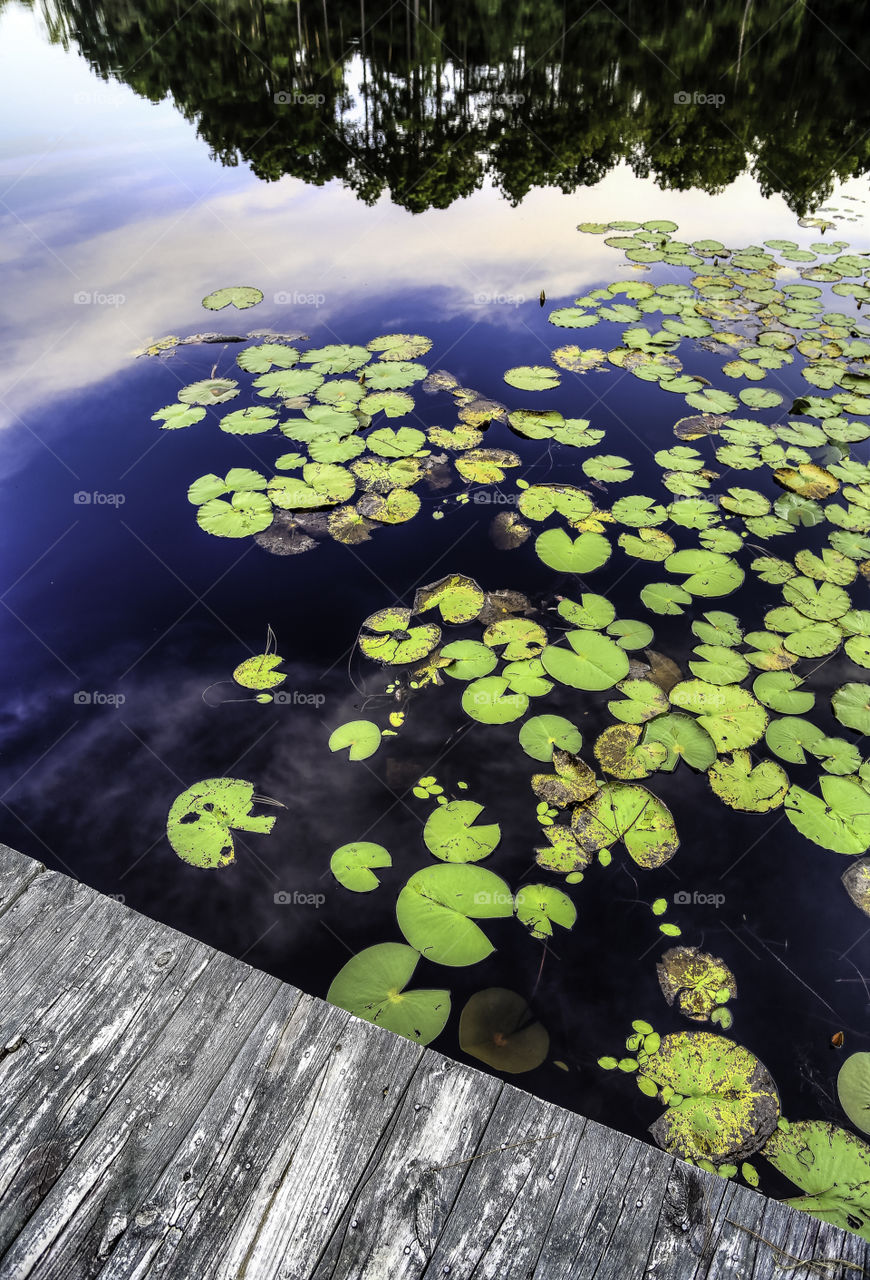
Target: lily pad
(352, 865)
(360, 738)
(202, 818)
(450, 832)
(752, 790)
(372, 986)
(831, 1166)
(437, 908)
(628, 812)
(696, 981)
(540, 734)
(239, 296)
(498, 1028)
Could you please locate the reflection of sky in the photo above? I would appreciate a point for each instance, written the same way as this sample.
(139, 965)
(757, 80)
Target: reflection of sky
(108, 194)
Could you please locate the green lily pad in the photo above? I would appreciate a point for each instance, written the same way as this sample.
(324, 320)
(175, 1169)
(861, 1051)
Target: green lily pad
(437, 908)
(566, 555)
(361, 739)
(628, 812)
(593, 662)
(535, 377)
(684, 738)
(372, 986)
(457, 598)
(729, 1105)
(831, 1166)
(239, 296)
(244, 514)
(851, 706)
(259, 672)
(540, 906)
(752, 790)
(451, 835)
(731, 715)
(202, 818)
(541, 734)
(352, 865)
(838, 820)
(489, 701)
(469, 659)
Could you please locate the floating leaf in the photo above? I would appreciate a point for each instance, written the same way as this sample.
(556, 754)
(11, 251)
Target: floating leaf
(399, 346)
(698, 982)
(540, 906)
(201, 819)
(437, 907)
(259, 672)
(469, 659)
(372, 986)
(540, 734)
(642, 700)
(753, 790)
(729, 1105)
(244, 514)
(593, 662)
(832, 1168)
(571, 782)
(627, 812)
(209, 391)
(450, 833)
(352, 865)
(851, 706)
(581, 555)
(239, 296)
(683, 738)
(731, 715)
(457, 598)
(360, 737)
(535, 377)
(489, 701)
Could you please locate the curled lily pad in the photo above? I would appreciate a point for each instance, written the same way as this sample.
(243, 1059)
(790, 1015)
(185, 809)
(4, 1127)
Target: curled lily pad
(209, 391)
(437, 908)
(571, 782)
(457, 598)
(698, 982)
(729, 1105)
(372, 986)
(202, 818)
(498, 1028)
(352, 865)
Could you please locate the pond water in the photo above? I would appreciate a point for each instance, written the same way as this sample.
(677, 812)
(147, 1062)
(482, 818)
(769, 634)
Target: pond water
(422, 170)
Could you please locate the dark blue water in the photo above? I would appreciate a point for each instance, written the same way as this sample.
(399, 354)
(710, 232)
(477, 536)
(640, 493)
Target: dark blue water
(124, 599)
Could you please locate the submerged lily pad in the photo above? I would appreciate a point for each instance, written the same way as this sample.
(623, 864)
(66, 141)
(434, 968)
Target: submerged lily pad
(498, 1028)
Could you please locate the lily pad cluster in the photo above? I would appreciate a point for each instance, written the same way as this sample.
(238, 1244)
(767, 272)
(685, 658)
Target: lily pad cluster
(360, 447)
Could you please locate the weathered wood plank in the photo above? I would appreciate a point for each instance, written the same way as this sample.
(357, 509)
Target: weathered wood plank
(16, 874)
(167, 1113)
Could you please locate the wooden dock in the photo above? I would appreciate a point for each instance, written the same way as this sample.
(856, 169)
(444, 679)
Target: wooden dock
(169, 1112)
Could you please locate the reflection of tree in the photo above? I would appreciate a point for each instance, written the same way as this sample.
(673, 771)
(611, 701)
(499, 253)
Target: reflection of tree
(426, 100)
